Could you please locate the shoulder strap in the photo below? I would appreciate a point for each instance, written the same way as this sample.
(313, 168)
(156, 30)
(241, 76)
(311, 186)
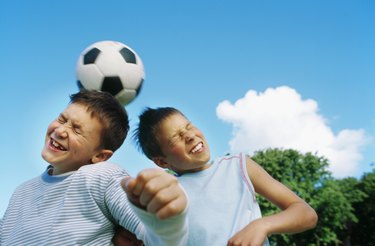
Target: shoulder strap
(245, 176)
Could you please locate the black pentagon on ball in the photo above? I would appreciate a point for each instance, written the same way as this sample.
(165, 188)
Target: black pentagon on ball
(128, 55)
(112, 85)
(90, 56)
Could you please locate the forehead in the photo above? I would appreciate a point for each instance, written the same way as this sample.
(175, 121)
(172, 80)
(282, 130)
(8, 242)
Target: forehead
(77, 111)
(79, 114)
(172, 124)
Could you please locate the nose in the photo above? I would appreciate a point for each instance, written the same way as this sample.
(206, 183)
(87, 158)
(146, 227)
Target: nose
(189, 136)
(61, 131)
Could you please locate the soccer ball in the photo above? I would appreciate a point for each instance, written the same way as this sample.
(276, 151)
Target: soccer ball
(113, 67)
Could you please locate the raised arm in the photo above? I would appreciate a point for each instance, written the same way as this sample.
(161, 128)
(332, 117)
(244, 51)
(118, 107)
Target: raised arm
(296, 215)
(156, 191)
(159, 193)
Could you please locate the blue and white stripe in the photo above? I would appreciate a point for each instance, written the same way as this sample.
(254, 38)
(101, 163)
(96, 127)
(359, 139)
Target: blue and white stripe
(78, 208)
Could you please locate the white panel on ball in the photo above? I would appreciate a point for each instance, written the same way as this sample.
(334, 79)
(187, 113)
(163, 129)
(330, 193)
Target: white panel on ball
(111, 66)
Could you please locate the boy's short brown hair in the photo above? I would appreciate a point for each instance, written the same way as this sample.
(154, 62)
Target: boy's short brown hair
(145, 136)
(113, 116)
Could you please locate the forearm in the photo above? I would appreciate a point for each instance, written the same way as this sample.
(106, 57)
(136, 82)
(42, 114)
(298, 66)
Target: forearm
(172, 231)
(298, 217)
(161, 204)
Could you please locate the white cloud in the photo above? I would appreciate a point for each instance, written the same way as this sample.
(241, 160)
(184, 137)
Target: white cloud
(280, 118)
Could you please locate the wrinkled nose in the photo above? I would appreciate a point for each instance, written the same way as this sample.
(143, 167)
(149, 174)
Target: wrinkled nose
(189, 136)
(61, 132)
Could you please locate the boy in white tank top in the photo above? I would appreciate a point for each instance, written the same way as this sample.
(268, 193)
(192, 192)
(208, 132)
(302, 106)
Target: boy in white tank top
(223, 209)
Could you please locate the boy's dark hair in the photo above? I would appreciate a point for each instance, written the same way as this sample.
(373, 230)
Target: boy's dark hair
(145, 135)
(112, 115)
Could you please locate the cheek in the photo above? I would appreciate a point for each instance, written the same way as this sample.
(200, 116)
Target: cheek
(51, 127)
(176, 152)
(199, 134)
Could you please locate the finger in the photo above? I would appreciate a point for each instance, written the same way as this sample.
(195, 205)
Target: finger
(162, 198)
(145, 176)
(128, 184)
(168, 202)
(155, 185)
(175, 207)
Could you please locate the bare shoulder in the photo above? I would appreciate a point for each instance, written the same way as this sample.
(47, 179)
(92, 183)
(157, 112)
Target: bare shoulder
(268, 187)
(254, 169)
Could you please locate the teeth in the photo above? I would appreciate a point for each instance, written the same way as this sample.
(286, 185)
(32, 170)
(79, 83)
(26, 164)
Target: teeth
(196, 148)
(57, 145)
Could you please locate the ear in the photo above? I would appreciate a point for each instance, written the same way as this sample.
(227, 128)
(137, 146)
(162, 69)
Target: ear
(103, 155)
(160, 162)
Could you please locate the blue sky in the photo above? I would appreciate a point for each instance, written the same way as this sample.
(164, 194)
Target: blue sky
(250, 74)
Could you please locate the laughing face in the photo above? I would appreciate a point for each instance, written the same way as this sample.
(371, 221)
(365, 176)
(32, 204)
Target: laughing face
(73, 140)
(184, 146)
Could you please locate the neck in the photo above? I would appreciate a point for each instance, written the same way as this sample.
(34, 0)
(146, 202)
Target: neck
(196, 170)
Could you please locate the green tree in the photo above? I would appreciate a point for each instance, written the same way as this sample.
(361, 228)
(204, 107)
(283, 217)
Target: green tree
(363, 231)
(307, 175)
(353, 195)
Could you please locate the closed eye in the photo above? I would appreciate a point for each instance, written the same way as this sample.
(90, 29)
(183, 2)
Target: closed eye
(173, 140)
(77, 129)
(189, 126)
(61, 119)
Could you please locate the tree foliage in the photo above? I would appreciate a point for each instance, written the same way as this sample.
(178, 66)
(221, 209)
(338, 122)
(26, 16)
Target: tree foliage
(335, 201)
(363, 233)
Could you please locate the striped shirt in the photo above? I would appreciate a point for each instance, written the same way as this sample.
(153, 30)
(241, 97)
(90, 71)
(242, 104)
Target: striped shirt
(81, 208)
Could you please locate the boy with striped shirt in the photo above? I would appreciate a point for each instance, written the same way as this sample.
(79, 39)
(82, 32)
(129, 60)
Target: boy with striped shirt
(78, 200)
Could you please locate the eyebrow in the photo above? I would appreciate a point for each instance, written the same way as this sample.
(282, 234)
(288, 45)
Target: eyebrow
(178, 132)
(62, 116)
(74, 124)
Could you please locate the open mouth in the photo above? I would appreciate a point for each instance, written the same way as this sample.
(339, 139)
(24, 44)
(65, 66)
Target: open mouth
(198, 148)
(55, 145)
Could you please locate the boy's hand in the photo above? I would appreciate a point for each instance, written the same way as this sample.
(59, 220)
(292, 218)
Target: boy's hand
(156, 191)
(252, 234)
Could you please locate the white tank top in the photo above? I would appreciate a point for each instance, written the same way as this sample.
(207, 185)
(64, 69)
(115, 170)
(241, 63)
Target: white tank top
(222, 201)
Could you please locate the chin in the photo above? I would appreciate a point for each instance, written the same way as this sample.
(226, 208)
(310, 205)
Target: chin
(207, 158)
(44, 155)
(47, 156)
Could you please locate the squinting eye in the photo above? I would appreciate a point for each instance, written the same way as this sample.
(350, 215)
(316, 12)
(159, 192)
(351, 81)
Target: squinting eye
(60, 120)
(189, 126)
(173, 141)
(77, 129)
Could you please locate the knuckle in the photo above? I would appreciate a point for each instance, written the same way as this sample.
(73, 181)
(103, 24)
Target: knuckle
(172, 179)
(150, 188)
(161, 198)
(142, 176)
(172, 208)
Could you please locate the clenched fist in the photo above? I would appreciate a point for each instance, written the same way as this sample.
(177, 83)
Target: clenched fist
(156, 191)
